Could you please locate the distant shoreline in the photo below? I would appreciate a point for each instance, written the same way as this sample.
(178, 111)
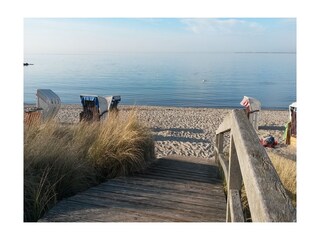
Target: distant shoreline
(268, 52)
(186, 52)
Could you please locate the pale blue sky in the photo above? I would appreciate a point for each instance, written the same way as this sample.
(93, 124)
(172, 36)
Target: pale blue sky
(94, 35)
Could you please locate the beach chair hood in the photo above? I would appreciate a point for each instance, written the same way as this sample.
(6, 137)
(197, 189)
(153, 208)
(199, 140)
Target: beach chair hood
(292, 107)
(49, 102)
(112, 102)
(251, 103)
(99, 102)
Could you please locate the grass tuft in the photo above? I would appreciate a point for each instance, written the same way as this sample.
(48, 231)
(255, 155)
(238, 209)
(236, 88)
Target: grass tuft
(61, 160)
(286, 169)
(114, 156)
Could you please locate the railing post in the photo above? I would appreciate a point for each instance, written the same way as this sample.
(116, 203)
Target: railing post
(234, 183)
(219, 145)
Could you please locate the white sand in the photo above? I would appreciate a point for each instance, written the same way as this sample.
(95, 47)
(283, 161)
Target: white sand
(190, 131)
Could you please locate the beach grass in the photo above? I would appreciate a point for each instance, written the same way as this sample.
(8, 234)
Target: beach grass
(119, 150)
(62, 160)
(286, 169)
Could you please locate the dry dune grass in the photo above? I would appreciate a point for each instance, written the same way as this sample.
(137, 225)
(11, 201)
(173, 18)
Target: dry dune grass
(61, 160)
(286, 170)
(123, 154)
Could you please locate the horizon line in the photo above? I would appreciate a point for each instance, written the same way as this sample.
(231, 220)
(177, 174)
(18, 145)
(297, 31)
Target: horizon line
(133, 52)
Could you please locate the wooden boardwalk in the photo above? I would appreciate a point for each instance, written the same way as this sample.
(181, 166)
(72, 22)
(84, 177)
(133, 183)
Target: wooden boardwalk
(174, 189)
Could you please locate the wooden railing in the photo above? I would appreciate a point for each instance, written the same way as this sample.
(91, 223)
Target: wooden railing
(248, 163)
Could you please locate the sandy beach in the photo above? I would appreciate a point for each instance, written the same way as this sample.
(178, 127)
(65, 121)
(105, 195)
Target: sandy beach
(190, 131)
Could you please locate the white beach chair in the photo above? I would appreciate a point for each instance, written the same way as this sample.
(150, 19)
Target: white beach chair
(113, 102)
(49, 102)
(253, 107)
(291, 131)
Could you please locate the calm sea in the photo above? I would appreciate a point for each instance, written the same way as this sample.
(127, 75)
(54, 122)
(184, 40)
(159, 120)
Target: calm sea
(167, 79)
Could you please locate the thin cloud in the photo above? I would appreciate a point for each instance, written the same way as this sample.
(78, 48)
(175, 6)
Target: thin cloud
(160, 35)
(221, 26)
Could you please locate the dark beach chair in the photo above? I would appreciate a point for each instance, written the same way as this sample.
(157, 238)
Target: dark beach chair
(95, 108)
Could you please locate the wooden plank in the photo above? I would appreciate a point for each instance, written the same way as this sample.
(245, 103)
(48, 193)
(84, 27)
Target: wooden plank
(234, 178)
(267, 197)
(225, 126)
(184, 160)
(163, 184)
(224, 163)
(176, 178)
(196, 199)
(140, 204)
(236, 213)
(211, 172)
(142, 195)
(196, 164)
(150, 177)
(179, 175)
(219, 143)
(166, 209)
(208, 174)
(215, 151)
(163, 187)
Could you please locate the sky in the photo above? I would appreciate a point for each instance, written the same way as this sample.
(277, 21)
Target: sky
(98, 35)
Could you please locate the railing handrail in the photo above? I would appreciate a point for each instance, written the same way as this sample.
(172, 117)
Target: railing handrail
(250, 163)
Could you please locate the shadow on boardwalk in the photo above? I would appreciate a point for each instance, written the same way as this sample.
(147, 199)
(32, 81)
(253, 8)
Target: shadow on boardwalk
(175, 189)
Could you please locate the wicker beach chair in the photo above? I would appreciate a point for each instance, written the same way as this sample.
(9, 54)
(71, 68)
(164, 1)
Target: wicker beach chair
(95, 108)
(252, 107)
(49, 102)
(47, 107)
